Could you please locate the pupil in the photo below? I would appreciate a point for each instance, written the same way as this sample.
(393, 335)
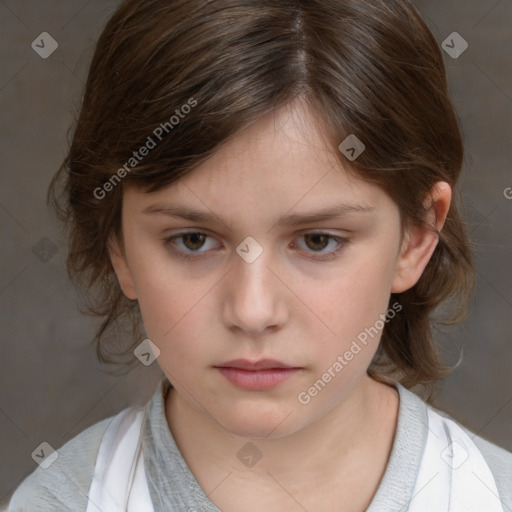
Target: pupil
(317, 237)
(197, 238)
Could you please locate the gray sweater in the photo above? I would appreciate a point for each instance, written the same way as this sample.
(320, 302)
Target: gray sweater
(65, 484)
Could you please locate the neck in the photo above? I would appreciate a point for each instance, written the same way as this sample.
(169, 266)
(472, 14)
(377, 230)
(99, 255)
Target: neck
(357, 428)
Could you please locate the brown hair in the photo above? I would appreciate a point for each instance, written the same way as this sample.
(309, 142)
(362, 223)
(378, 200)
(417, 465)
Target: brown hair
(372, 69)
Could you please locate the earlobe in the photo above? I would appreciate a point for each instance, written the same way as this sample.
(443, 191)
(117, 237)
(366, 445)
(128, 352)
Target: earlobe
(420, 241)
(120, 265)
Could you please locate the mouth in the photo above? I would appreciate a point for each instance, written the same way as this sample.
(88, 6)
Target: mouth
(256, 375)
(262, 364)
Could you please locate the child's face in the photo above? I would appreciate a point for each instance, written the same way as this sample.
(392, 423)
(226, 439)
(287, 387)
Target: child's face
(298, 302)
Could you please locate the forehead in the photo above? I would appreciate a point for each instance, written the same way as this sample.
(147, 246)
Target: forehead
(280, 162)
(288, 142)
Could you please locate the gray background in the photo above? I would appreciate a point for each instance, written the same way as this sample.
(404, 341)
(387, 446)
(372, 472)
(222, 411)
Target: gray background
(52, 387)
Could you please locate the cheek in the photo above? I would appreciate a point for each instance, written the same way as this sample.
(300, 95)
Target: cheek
(162, 294)
(169, 307)
(173, 320)
(351, 306)
(353, 299)
(176, 312)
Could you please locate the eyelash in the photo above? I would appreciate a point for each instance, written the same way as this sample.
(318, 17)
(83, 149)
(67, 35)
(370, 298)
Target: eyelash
(168, 242)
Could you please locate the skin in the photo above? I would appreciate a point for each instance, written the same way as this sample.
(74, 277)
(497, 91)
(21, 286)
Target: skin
(292, 304)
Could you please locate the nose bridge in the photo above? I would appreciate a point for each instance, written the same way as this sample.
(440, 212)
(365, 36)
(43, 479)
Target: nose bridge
(253, 289)
(251, 272)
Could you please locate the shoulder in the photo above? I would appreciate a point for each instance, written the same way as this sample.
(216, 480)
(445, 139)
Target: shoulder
(64, 485)
(497, 458)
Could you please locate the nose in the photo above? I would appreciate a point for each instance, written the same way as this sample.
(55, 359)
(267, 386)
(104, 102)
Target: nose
(255, 299)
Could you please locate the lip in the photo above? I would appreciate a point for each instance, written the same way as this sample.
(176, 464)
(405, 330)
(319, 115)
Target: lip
(256, 375)
(261, 364)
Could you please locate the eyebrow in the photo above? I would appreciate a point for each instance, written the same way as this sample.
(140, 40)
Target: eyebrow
(291, 219)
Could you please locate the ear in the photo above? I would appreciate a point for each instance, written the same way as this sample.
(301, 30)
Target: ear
(420, 241)
(120, 264)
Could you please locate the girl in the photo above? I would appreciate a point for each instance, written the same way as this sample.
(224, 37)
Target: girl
(265, 191)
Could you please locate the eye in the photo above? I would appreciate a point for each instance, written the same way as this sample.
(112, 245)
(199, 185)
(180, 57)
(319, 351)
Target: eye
(316, 242)
(185, 245)
(192, 242)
